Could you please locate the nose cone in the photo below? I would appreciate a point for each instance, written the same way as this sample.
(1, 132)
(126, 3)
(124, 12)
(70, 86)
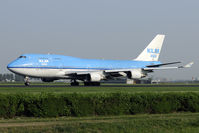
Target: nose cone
(12, 65)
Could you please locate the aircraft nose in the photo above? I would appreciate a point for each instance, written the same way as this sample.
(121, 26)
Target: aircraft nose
(11, 65)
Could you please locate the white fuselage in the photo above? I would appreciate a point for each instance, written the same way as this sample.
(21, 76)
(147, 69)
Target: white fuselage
(46, 73)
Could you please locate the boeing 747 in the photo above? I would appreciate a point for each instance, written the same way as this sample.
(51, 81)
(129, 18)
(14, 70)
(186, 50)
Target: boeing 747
(51, 67)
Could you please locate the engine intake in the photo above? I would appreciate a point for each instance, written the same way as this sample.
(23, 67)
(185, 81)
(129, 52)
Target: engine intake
(136, 74)
(95, 77)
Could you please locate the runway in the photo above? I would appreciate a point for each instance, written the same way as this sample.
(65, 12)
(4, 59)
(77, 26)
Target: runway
(119, 85)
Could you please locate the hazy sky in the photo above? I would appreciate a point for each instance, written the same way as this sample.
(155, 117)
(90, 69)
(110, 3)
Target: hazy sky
(103, 29)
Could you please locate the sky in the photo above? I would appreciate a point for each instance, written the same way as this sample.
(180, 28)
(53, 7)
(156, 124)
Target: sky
(101, 29)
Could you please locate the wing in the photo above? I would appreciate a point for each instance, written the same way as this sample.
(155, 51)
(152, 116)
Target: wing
(154, 67)
(158, 65)
(162, 68)
(108, 74)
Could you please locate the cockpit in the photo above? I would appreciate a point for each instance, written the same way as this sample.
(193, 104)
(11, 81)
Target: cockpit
(22, 56)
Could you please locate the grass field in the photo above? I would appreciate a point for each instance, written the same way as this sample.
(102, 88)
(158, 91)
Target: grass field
(142, 123)
(164, 123)
(102, 89)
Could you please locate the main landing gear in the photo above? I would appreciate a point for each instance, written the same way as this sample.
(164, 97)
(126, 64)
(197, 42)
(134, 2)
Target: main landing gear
(26, 81)
(74, 83)
(91, 83)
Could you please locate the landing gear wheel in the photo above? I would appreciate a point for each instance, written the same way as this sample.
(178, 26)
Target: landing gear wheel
(26, 80)
(27, 84)
(75, 83)
(91, 83)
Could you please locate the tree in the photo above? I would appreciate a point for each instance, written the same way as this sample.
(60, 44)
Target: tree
(1, 77)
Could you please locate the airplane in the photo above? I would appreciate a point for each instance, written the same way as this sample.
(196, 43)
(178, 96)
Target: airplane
(50, 67)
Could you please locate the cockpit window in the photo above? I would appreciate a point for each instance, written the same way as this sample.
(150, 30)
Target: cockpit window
(22, 56)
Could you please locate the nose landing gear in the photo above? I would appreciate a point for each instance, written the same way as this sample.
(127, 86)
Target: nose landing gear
(26, 81)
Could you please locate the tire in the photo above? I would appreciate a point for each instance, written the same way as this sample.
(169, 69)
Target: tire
(27, 84)
(74, 83)
(91, 83)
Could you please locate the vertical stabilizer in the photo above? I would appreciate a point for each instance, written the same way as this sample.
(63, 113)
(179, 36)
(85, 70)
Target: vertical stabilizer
(152, 51)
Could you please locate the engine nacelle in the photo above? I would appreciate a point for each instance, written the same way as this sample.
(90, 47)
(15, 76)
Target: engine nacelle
(95, 77)
(48, 79)
(136, 74)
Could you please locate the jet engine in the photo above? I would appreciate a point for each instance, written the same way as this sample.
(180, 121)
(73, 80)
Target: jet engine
(95, 77)
(136, 74)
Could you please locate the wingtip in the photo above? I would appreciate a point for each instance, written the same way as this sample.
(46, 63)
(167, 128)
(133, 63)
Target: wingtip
(189, 65)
